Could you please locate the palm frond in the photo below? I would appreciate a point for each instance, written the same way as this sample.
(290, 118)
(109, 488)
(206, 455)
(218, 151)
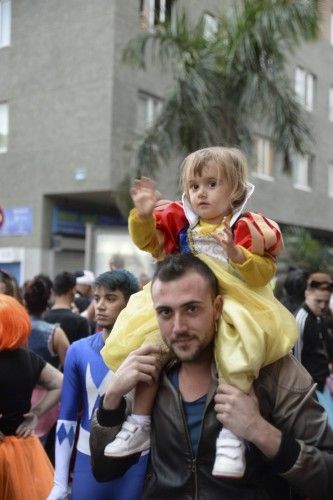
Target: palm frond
(221, 82)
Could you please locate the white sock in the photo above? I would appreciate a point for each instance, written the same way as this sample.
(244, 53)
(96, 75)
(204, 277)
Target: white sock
(142, 420)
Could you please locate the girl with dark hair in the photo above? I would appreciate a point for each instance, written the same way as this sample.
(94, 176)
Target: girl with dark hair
(47, 340)
(50, 342)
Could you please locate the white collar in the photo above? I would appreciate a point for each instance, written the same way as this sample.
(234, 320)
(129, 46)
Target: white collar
(193, 218)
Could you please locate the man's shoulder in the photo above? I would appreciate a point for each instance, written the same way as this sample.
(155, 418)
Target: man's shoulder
(67, 317)
(94, 341)
(62, 312)
(55, 314)
(286, 374)
(304, 316)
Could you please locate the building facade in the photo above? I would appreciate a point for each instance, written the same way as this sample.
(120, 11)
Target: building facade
(70, 111)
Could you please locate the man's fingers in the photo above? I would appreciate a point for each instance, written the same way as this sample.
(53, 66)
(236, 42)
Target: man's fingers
(224, 388)
(147, 360)
(147, 373)
(147, 349)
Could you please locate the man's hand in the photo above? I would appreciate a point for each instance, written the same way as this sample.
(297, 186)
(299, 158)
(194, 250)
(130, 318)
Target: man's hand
(142, 365)
(28, 426)
(226, 239)
(239, 412)
(144, 195)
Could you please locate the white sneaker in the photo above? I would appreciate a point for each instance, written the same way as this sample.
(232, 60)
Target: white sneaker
(132, 438)
(230, 457)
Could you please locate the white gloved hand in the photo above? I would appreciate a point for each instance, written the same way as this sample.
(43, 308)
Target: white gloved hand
(58, 492)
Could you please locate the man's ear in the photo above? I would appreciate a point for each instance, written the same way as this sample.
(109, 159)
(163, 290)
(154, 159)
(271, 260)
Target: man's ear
(218, 306)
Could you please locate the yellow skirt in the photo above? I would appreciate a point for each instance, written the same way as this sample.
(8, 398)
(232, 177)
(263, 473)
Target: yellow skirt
(255, 328)
(26, 473)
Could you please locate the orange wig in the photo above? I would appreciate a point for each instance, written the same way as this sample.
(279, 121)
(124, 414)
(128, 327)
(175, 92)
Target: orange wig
(15, 323)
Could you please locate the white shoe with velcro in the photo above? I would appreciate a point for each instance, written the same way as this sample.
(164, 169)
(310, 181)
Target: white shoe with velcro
(132, 438)
(230, 456)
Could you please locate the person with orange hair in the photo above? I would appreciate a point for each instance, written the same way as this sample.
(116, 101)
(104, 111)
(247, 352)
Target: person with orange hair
(25, 470)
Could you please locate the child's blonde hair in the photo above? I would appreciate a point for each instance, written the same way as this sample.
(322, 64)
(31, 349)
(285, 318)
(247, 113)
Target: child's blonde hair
(231, 163)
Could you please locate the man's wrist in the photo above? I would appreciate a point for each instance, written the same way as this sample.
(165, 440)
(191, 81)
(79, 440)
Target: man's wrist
(112, 401)
(287, 455)
(279, 448)
(266, 438)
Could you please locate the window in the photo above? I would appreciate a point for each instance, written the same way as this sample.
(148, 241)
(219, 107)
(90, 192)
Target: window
(5, 22)
(263, 157)
(148, 109)
(330, 180)
(3, 127)
(304, 87)
(302, 171)
(210, 26)
(330, 105)
(154, 12)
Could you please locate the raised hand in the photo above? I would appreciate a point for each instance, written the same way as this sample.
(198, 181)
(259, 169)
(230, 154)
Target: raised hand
(225, 238)
(144, 195)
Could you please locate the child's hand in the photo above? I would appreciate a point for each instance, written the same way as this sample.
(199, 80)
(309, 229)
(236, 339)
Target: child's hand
(225, 238)
(144, 195)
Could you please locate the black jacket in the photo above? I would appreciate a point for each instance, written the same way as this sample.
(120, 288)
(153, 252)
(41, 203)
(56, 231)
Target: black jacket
(304, 462)
(314, 346)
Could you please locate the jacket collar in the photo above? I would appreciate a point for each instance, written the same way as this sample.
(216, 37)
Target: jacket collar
(193, 218)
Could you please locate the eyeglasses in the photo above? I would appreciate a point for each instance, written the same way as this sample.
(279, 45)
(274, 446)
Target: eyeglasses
(323, 285)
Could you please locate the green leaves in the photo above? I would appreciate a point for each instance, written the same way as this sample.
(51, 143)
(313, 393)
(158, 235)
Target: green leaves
(224, 83)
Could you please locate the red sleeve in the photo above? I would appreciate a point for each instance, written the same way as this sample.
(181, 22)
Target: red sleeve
(258, 234)
(170, 221)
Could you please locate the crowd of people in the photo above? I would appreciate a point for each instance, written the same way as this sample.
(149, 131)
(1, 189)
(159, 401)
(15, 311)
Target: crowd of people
(201, 383)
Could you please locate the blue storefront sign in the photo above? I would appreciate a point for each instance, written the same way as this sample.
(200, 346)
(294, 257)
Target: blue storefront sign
(72, 222)
(18, 221)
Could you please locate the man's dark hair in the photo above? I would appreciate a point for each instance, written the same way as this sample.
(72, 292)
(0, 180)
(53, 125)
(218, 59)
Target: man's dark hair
(119, 279)
(178, 265)
(63, 283)
(47, 282)
(36, 296)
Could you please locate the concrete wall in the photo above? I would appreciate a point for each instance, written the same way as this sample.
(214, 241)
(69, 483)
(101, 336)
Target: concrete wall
(73, 105)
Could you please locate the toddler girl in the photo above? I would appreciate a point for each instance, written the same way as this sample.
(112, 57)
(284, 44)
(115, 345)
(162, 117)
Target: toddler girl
(254, 330)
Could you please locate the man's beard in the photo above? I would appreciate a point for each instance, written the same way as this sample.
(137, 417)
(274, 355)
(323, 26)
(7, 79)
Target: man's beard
(195, 354)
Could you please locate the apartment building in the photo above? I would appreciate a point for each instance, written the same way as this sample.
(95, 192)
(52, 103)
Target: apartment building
(70, 111)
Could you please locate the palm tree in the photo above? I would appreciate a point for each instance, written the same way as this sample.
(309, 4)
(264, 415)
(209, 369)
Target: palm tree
(222, 84)
(305, 251)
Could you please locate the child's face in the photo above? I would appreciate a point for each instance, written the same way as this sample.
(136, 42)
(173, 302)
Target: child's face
(209, 194)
